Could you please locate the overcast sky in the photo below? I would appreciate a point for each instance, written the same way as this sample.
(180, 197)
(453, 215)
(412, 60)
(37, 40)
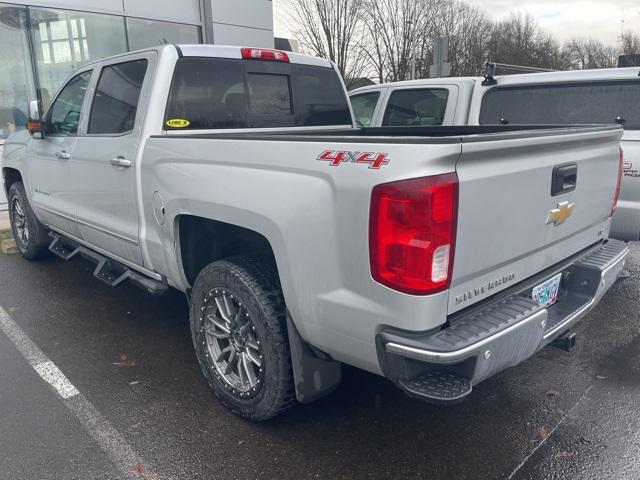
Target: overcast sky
(601, 19)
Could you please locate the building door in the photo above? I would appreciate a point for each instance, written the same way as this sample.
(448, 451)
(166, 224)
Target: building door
(104, 166)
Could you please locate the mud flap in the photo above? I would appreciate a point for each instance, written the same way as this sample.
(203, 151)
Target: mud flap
(314, 377)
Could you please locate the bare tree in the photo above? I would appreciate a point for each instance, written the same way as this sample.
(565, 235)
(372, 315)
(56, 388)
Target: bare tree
(393, 30)
(380, 38)
(372, 47)
(469, 32)
(582, 53)
(330, 29)
(630, 43)
(519, 40)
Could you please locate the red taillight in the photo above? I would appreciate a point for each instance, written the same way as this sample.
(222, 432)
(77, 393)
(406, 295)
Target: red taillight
(617, 194)
(412, 231)
(264, 54)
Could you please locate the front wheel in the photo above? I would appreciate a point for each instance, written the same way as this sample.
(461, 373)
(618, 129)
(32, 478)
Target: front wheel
(31, 236)
(239, 332)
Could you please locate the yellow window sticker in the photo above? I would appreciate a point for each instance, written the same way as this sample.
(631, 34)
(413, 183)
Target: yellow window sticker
(178, 123)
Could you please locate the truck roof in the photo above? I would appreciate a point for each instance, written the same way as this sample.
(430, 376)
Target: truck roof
(571, 75)
(521, 78)
(419, 83)
(222, 51)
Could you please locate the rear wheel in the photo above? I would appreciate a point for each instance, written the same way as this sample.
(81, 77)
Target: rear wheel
(239, 332)
(31, 236)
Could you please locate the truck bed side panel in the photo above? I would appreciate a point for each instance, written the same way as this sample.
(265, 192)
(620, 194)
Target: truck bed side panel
(315, 217)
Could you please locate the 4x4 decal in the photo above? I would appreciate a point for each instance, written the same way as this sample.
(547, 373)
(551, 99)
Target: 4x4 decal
(336, 157)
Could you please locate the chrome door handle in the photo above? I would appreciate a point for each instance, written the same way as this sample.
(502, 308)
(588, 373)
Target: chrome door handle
(120, 162)
(63, 155)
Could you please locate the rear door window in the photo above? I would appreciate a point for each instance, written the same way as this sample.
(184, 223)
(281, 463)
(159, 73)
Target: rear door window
(216, 93)
(416, 107)
(575, 103)
(115, 102)
(364, 105)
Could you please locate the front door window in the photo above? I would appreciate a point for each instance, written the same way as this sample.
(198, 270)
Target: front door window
(64, 115)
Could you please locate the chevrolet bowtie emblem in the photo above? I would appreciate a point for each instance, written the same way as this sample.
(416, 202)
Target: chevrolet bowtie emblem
(559, 215)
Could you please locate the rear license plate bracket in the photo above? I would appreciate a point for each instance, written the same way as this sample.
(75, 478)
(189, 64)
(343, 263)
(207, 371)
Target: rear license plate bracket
(546, 294)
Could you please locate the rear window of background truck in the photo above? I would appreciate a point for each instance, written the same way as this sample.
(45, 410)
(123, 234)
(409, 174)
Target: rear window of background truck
(603, 102)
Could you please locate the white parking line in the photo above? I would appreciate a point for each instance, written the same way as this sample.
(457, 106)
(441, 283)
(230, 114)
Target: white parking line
(54, 377)
(106, 436)
(553, 430)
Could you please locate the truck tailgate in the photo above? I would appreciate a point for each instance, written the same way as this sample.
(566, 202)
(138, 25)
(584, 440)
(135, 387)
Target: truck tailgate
(510, 226)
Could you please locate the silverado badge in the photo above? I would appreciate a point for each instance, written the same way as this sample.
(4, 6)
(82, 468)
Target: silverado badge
(560, 214)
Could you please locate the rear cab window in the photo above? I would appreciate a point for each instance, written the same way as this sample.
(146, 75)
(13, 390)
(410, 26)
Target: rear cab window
(602, 102)
(223, 93)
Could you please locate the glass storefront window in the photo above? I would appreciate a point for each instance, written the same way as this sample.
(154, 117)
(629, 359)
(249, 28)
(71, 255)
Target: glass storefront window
(147, 33)
(62, 41)
(17, 86)
(65, 40)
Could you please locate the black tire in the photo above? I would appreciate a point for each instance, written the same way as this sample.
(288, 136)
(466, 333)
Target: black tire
(253, 282)
(35, 244)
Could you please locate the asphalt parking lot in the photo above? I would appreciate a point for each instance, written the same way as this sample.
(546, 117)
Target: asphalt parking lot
(142, 408)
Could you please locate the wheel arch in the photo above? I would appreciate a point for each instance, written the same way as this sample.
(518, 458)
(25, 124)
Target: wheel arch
(10, 176)
(204, 240)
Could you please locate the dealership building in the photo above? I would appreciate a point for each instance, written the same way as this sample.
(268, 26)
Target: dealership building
(43, 42)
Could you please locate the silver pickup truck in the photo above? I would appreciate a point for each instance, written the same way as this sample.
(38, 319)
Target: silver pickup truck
(436, 256)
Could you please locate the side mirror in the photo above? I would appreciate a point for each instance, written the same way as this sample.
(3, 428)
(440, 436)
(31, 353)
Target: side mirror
(34, 124)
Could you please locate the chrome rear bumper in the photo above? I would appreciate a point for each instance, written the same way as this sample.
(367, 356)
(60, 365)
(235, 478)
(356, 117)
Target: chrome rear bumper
(501, 333)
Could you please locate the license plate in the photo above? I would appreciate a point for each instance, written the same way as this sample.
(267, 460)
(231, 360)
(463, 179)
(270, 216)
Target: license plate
(547, 293)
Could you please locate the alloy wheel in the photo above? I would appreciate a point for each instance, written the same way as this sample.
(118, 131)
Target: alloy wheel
(20, 222)
(232, 344)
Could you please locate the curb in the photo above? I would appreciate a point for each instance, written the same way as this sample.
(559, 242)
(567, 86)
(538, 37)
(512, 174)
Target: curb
(8, 246)
(5, 225)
